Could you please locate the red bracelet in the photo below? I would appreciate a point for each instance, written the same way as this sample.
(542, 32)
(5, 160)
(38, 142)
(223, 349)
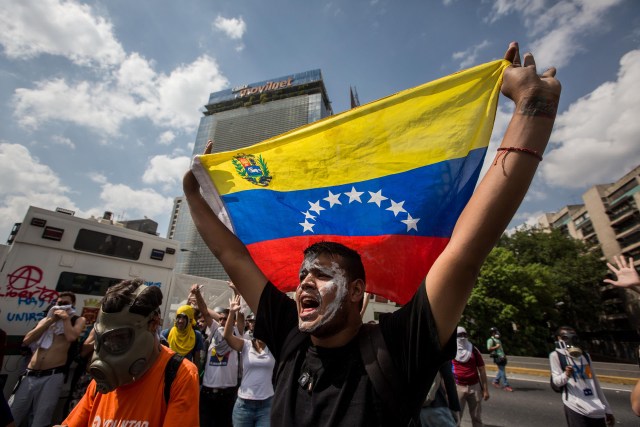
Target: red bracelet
(521, 150)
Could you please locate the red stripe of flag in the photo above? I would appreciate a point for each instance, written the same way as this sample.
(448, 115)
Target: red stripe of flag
(394, 264)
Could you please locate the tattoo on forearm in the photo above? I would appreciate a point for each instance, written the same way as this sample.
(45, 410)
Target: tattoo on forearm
(539, 106)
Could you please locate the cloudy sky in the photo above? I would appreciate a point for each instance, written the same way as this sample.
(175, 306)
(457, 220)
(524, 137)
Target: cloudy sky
(100, 100)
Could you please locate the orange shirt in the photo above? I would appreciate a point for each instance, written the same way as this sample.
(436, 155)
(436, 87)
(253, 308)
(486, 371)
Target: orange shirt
(141, 403)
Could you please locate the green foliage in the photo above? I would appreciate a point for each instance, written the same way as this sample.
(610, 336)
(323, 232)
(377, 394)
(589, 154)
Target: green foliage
(530, 284)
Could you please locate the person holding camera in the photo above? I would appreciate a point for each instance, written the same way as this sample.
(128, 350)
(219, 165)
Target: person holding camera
(585, 405)
(494, 345)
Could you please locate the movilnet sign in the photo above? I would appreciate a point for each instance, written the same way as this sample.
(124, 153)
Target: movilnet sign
(269, 86)
(252, 89)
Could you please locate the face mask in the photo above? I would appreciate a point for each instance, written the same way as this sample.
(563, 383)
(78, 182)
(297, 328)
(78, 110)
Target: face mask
(124, 348)
(569, 342)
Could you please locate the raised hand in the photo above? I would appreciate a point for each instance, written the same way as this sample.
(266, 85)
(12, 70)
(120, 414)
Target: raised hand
(534, 95)
(626, 274)
(234, 303)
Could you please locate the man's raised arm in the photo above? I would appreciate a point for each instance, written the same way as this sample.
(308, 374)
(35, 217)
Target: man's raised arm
(495, 201)
(230, 251)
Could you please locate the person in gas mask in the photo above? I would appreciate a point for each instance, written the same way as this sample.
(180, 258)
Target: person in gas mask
(572, 373)
(130, 366)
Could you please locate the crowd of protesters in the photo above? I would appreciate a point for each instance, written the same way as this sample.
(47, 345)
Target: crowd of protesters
(309, 360)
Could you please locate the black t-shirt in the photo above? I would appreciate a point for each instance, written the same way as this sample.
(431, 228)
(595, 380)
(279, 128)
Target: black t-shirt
(342, 393)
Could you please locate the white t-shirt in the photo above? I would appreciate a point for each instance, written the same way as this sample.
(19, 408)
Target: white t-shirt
(257, 372)
(221, 369)
(592, 403)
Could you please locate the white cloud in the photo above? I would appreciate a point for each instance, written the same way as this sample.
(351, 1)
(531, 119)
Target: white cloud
(131, 203)
(133, 91)
(98, 178)
(182, 94)
(555, 27)
(29, 28)
(470, 55)
(166, 138)
(525, 220)
(63, 140)
(32, 107)
(24, 181)
(525, 7)
(166, 170)
(597, 137)
(234, 28)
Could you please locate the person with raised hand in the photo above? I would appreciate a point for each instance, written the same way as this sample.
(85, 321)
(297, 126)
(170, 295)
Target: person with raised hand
(253, 405)
(323, 376)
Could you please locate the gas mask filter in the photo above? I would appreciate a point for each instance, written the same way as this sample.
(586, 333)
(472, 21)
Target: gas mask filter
(569, 342)
(124, 347)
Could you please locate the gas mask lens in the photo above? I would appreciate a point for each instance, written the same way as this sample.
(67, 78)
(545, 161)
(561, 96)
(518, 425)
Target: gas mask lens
(116, 341)
(570, 343)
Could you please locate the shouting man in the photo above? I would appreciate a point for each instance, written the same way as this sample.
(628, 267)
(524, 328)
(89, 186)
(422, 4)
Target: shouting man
(322, 375)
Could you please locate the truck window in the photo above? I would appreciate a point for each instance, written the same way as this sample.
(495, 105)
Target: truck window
(107, 244)
(84, 284)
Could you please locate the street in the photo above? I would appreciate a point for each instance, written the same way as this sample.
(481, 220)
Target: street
(534, 404)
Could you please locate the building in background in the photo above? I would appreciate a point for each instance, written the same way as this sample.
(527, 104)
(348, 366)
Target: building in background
(237, 118)
(609, 224)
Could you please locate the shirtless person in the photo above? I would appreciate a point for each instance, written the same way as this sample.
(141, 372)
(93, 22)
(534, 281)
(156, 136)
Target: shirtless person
(38, 389)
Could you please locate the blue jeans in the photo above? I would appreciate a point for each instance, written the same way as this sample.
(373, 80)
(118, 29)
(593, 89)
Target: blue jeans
(501, 376)
(250, 413)
(436, 417)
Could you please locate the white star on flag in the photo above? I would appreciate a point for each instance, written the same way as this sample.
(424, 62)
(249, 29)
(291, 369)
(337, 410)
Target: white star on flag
(411, 222)
(377, 197)
(333, 199)
(396, 208)
(306, 226)
(315, 207)
(307, 215)
(354, 195)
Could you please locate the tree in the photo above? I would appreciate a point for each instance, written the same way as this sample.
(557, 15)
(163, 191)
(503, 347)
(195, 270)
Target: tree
(531, 283)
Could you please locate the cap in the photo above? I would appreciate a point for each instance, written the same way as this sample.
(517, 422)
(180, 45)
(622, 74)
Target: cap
(461, 330)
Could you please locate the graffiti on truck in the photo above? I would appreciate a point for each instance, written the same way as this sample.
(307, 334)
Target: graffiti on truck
(24, 284)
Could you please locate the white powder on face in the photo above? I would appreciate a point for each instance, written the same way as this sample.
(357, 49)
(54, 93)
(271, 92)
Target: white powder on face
(337, 285)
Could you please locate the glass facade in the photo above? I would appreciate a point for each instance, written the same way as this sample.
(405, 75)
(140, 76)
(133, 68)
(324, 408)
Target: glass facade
(238, 118)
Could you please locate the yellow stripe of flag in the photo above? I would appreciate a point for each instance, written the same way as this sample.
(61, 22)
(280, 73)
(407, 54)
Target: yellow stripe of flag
(436, 121)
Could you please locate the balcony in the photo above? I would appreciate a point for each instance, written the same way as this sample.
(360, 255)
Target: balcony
(619, 217)
(629, 231)
(631, 249)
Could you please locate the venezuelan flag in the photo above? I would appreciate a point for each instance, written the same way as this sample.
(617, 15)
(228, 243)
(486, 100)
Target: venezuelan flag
(388, 179)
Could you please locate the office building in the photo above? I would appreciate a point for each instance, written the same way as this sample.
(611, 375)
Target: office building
(237, 118)
(609, 224)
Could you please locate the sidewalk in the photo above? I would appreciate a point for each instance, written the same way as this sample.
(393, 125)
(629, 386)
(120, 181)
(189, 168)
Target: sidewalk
(610, 373)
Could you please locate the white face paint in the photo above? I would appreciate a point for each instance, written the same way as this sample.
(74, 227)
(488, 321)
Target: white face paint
(327, 281)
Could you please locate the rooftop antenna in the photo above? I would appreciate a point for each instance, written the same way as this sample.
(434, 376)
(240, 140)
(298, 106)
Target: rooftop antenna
(353, 94)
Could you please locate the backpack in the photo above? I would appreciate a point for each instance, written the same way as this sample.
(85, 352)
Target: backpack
(563, 364)
(74, 348)
(170, 371)
(433, 391)
(377, 363)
